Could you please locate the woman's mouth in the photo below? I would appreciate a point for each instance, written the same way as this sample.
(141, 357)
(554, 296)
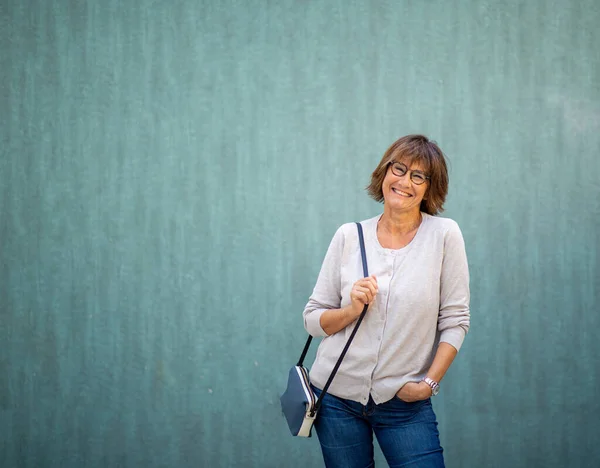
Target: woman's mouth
(401, 193)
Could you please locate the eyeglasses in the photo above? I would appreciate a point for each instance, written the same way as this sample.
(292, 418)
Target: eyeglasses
(417, 177)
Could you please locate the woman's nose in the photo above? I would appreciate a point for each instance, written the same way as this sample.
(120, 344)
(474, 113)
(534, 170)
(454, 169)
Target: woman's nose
(406, 177)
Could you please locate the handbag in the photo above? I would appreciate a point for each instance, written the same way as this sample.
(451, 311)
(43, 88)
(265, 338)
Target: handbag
(299, 403)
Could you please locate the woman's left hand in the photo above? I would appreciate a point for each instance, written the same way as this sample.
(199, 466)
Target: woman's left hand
(414, 391)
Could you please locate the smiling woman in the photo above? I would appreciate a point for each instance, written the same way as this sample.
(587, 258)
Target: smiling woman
(418, 316)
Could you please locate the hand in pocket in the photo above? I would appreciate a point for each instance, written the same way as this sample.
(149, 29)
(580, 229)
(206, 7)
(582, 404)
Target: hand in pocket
(414, 391)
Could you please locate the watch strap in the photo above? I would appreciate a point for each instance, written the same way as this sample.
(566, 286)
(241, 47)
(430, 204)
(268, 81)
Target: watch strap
(435, 387)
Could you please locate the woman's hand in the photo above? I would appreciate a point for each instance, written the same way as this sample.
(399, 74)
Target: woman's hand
(414, 391)
(363, 292)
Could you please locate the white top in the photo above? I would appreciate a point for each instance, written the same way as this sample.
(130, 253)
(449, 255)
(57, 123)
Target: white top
(423, 299)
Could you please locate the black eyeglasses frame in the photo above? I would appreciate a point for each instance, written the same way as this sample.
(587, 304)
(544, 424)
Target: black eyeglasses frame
(396, 164)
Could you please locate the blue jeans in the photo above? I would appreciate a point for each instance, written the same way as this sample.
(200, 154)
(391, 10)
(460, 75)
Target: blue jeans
(407, 433)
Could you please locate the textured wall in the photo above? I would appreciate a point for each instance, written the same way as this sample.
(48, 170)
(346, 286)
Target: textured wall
(171, 175)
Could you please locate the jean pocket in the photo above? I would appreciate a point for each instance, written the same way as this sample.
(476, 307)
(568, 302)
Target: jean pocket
(397, 411)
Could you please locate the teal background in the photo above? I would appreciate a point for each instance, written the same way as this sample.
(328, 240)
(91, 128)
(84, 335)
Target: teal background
(172, 173)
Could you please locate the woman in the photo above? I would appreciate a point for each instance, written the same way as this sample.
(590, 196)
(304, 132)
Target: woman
(418, 316)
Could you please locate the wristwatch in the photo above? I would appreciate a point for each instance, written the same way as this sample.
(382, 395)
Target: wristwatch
(435, 387)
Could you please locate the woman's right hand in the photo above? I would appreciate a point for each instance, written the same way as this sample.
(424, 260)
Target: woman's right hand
(363, 292)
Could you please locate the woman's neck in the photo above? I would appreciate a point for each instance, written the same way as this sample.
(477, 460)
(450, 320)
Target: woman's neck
(399, 224)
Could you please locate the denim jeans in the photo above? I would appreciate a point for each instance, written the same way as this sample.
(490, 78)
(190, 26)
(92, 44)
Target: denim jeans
(407, 433)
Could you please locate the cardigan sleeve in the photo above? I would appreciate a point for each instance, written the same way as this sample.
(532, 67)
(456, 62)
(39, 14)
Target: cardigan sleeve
(327, 292)
(454, 317)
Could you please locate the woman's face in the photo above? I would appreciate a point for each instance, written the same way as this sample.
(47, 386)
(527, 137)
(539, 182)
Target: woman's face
(400, 193)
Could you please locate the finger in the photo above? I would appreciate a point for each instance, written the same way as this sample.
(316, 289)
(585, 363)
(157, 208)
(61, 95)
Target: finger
(372, 282)
(359, 296)
(367, 286)
(373, 288)
(369, 283)
(371, 278)
(366, 291)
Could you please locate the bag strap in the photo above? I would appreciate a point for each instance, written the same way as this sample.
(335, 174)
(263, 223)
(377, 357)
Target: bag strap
(362, 315)
(304, 351)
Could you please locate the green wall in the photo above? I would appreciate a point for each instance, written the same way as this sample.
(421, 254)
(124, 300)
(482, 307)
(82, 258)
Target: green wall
(171, 173)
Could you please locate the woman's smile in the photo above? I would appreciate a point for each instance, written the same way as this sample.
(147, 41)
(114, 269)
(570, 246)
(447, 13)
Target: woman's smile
(400, 192)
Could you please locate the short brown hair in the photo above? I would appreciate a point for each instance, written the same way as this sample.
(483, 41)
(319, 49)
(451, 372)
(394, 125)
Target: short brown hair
(416, 148)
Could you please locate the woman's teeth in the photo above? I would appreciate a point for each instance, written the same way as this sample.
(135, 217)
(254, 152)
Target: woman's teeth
(399, 192)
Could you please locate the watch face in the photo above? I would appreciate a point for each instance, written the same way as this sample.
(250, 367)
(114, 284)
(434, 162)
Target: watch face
(435, 391)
